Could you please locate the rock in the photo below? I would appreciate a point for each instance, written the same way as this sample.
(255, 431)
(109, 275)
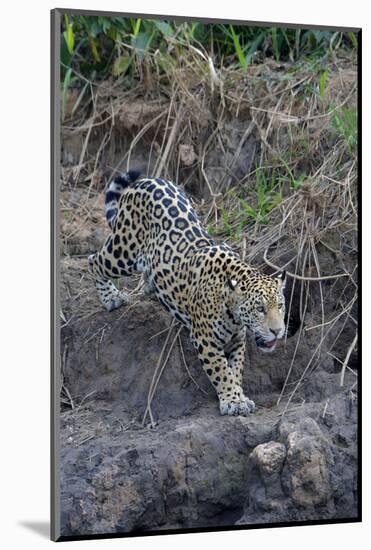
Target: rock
(187, 154)
(306, 475)
(188, 472)
(302, 476)
(268, 458)
(298, 424)
(258, 431)
(263, 487)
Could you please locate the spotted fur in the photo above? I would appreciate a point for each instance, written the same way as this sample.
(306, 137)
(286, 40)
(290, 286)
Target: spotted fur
(204, 285)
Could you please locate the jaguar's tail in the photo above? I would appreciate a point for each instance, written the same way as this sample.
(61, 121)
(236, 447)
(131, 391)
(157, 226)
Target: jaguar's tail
(114, 192)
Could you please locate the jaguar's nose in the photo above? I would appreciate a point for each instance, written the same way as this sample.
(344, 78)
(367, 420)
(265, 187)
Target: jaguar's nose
(274, 331)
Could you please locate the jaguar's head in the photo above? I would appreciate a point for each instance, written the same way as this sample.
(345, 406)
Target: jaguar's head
(260, 306)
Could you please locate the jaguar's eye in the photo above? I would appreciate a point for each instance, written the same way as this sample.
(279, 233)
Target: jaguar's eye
(260, 309)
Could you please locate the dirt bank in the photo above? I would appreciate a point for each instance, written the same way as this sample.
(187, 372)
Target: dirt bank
(196, 468)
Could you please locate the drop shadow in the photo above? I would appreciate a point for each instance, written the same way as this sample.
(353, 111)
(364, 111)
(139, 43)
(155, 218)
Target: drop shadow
(42, 528)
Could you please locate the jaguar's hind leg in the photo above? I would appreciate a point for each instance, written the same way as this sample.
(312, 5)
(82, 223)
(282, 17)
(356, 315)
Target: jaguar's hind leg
(149, 289)
(103, 271)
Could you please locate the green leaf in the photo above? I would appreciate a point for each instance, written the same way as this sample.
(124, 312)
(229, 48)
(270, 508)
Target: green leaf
(106, 24)
(322, 82)
(94, 28)
(164, 27)
(121, 64)
(69, 35)
(94, 47)
(112, 33)
(297, 42)
(239, 51)
(65, 54)
(253, 48)
(354, 40)
(137, 26)
(141, 42)
(193, 29)
(275, 44)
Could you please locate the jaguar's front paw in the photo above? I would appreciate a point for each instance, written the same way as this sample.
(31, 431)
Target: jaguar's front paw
(116, 300)
(247, 405)
(243, 407)
(228, 407)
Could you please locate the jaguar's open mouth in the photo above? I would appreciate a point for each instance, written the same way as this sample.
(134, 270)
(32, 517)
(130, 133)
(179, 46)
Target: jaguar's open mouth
(265, 345)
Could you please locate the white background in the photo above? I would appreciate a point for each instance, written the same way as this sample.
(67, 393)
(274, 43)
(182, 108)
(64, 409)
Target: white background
(24, 269)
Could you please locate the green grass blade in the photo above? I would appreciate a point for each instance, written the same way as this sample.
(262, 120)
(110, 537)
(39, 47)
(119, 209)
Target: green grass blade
(239, 51)
(250, 211)
(322, 83)
(137, 26)
(353, 38)
(69, 35)
(275, 43)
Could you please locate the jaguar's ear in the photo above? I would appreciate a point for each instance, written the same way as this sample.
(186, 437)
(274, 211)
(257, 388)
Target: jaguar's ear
(282, 278)
(232, 283)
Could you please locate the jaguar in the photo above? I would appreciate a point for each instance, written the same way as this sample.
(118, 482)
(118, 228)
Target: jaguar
(203, 284)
